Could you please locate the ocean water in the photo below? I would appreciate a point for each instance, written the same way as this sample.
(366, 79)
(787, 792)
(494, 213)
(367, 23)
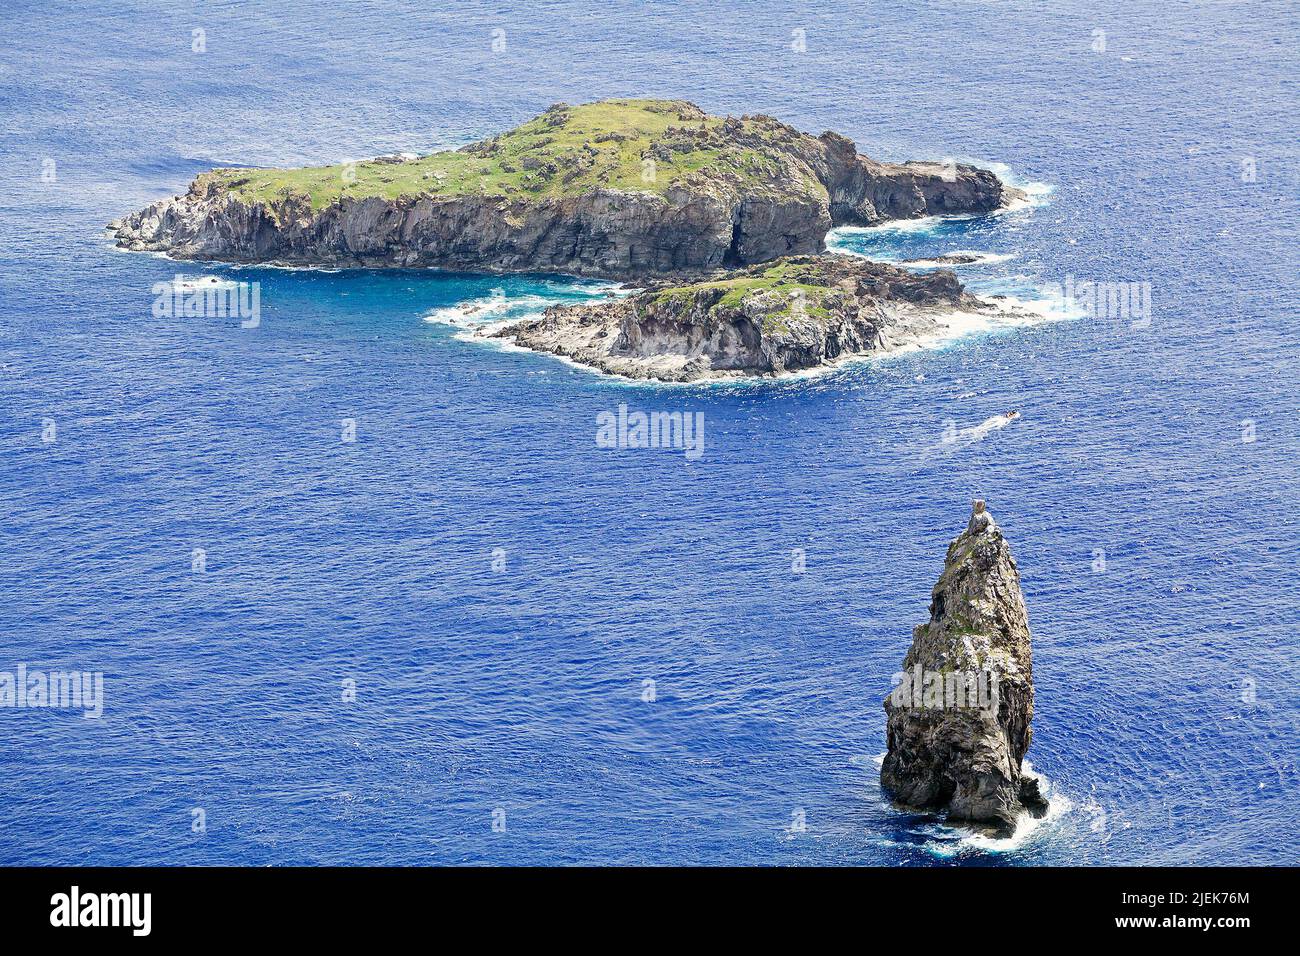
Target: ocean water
(498, 590)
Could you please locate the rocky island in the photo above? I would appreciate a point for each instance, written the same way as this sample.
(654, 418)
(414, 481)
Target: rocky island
(791, 314)
(623, 189)
(959, 719)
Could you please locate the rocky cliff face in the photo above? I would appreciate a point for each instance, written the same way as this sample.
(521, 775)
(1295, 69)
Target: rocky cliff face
(953, 746)
(617, 189)
(791, 314)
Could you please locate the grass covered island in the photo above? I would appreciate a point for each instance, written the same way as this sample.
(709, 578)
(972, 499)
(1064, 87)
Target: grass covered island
(626, 188)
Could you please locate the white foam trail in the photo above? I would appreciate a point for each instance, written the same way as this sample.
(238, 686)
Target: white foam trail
(976, 432)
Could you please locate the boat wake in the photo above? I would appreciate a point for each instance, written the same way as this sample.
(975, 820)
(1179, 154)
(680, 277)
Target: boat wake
(986, 427)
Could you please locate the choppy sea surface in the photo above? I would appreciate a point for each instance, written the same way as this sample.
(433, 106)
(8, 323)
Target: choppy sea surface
(561, 653)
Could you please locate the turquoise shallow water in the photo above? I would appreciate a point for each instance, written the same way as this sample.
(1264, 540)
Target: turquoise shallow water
(1166, 717)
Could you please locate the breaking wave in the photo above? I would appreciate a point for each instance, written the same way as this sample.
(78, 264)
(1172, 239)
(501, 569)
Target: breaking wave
(500, 305)
(979, 259)
(945, 842)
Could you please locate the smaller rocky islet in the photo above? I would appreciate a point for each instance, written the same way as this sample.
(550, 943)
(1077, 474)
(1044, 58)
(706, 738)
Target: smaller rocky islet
(776, 318)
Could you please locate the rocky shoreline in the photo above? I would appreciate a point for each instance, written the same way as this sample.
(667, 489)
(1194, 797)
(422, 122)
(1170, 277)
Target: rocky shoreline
(781, 318)
(622, 189)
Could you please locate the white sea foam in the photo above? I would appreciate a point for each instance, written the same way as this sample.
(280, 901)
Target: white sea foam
(874, 760)
(929, 262)
(923, 224)
(183, 283)
(981, 259)
(233, 266)
(948, 328)
(498, 306)
(473, 312)
(952, 327)
(1036, 194)
(485, 335)
(976, 432)
(1009, 312)
(491, 309)
(1047, 309)
(1027, 827)
(592, 288)
(287, 267)
(947, 841)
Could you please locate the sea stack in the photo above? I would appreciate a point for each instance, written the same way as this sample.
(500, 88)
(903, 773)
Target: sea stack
(959, 716)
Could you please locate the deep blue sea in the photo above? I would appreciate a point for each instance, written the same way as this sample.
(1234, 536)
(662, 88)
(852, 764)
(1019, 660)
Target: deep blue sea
(498, 589)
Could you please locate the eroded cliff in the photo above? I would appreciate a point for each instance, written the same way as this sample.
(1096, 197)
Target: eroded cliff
(620, 189)
(959, 719)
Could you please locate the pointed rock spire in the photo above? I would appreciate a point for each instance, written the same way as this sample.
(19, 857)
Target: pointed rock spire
(959, 720)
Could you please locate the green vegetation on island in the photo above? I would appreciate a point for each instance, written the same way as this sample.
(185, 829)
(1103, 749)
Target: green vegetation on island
(628, 188)
(628, 145)
(778, 292)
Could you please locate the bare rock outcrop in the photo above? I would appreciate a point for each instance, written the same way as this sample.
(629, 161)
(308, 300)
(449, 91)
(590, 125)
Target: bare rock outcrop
(959, 719)
(776, 318)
